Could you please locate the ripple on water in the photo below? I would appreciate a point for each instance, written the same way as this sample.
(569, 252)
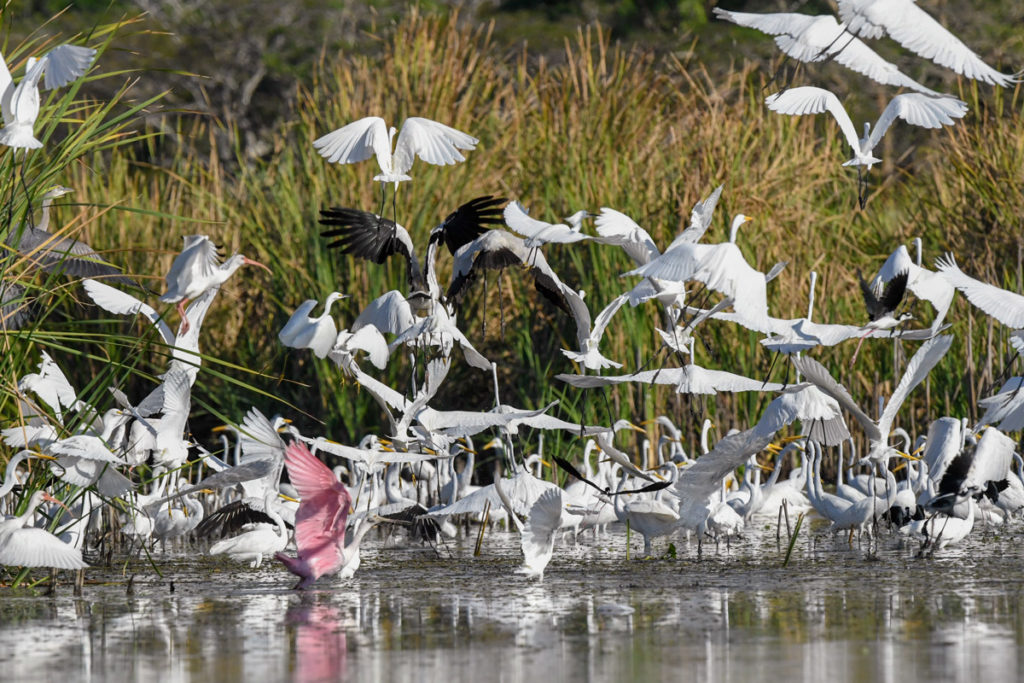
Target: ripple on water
(836, 612)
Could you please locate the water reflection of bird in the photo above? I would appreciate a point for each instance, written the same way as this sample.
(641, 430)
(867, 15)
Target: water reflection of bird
(320, 642)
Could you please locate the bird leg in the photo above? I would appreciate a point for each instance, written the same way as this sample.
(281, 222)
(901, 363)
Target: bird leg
(607, 405)
(857, 350)
(501, 309)
(383, 198)
(823, 51)
(862, 188)
(394, 204)
(775, 75)
(775, 357)
(185, 325)
(483, 317)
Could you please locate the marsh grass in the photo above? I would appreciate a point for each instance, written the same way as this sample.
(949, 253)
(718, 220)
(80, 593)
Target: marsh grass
(606, 125)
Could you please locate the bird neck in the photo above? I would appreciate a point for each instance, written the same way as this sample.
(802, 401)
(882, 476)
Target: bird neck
(12, 467)
(44, 214)
(353, 545)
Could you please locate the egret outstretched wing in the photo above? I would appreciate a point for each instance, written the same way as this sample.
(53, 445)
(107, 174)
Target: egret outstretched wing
(811, 100)
(916, 30)
(431, 141)
(1004, 306)
(356, 142)
(919, 110)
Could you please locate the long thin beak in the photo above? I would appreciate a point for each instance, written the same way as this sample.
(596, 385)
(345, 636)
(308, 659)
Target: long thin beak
(48, 497)
(249, 262)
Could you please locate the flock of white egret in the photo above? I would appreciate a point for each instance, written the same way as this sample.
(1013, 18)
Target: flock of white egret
(122, 471)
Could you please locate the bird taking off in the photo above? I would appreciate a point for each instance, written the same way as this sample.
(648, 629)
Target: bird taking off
(324, 504)
(882, 306)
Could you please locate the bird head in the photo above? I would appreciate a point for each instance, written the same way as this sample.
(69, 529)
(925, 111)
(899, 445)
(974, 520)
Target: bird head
(737, 221)
(576, 220)
(56, 191)
(50, 499)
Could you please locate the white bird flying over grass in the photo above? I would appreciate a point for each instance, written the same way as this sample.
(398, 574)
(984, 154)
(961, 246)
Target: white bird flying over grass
(913, 28)
(20, 103)
(433, 142)
(815, 38)
(722, 268)
(914, 108)
(589, 338)
(538, 233)
(1003, 305)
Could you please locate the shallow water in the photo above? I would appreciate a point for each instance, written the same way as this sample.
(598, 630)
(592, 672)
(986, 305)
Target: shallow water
(416, 614)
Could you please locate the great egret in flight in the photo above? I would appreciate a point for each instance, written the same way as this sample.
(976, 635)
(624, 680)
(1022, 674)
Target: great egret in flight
(20, 103)
(815, 38)
(913, 28)
(1003, 305)
(914, 108)
(433, 142)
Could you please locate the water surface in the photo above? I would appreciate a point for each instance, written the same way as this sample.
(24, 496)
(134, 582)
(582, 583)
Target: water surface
(414, 613)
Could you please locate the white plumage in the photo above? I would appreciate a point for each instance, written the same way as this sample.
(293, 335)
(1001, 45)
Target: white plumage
(916, 30)
(815, 38)
(1004, 306)
(302, 331)
(20, 103)
(914, 108)
(433, 142)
